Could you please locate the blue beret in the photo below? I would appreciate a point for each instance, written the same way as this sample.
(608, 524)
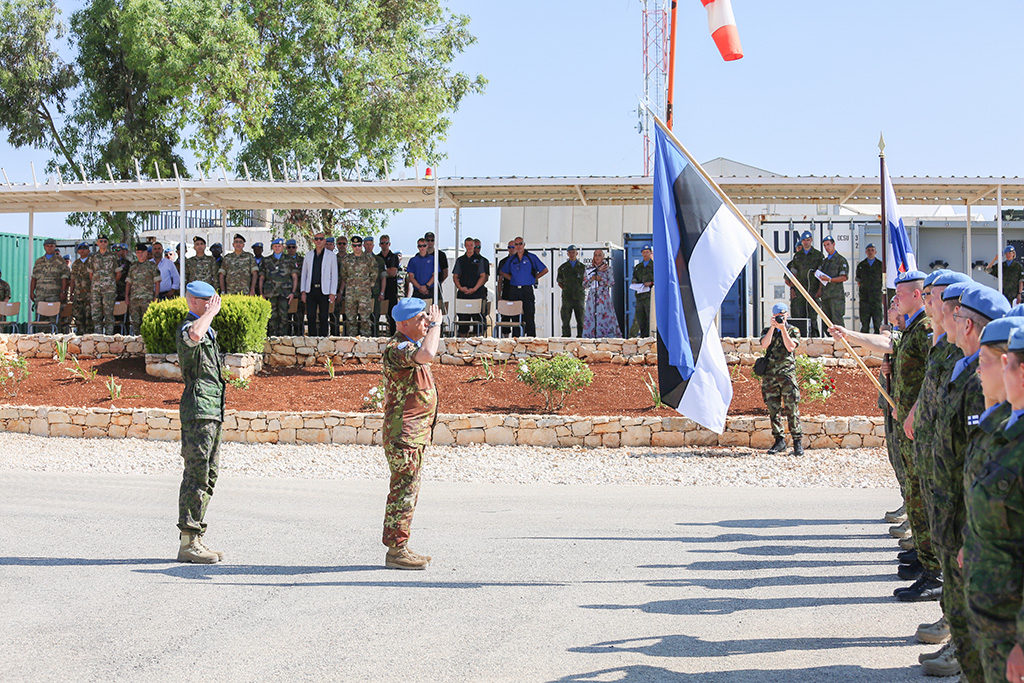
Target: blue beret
(356, 238)
(1016, 341)
(805, 235)
(82, 245)
(257, 244)
(780, 308)
(999, 331)
(1015, 312)
(572, 247)
(956, 290)
(646, 247)
(407, 308)
(870, 246)
(276, 240)
(910, 276)
(985, 301)
(200, 289)
(1009, 248)
(951, 278)
(934, 275)
(291, 243)
(216, 244)
(828, 238)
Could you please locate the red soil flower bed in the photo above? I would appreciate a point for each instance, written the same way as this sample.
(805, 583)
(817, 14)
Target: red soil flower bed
(616, 390)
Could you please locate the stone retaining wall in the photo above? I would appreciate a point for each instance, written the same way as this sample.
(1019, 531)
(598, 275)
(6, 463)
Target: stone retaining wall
(305, 351)
(365, 428)
(237, 365)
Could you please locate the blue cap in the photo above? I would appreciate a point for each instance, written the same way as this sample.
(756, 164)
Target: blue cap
(870, 246)
(646, 247)
(330, 240)
(951, 278)
(1009, 248)
(999, 331)
(257, 244)
(1016, 341)
(985, 301)
(956, 290)
(200, 289)
(805, 235)
(910, 276)
(82, 245)
(828, 238)
(291, 243)
(571, 247)
(780, 308)
(276, 240)
(407, 308)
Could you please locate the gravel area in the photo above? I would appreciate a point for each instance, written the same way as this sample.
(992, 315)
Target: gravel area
(733, 467)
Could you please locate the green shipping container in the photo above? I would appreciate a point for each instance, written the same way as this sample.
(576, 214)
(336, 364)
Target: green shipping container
(15, 268)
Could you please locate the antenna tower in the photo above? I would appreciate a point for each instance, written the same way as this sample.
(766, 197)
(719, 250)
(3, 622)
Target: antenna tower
(656, 35)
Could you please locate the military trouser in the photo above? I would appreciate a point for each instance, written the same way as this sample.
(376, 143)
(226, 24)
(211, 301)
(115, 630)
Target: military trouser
(870, 314)
(570, 307)
(992, 637)
(782, 398)
(405, 462)
(916, 512)
(892, 445)
(81, 310)
(137, 309)
(954, 608)
(358, 311)
(279, 324)
(799, 308)
(834, 309)
(200, 449)
(102, 305)
(296, 320)
(642, 316)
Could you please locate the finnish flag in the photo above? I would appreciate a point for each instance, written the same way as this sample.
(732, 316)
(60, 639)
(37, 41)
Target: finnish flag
(900, 257)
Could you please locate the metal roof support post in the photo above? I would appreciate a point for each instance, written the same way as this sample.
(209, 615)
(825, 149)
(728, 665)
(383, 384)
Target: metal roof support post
(437, 239)
(967, 247)
(458, 232)
(999, 235)
(31, 251)
(181, 249)
(223, 227)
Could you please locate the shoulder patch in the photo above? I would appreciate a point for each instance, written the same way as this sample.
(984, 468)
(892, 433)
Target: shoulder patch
(406, 344)
(973, 420)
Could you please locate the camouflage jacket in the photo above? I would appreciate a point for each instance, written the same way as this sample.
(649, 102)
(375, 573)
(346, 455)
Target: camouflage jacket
(143, 277)
(203, 397)
(358, 274)
(987, 439)
(237, 270)
(781, 363)
(837, 266)
(882, 403)
(993, 552)
(869, 280)
(204, 269)
(103, 270)
(942, 356)
(277, 276)
(570, 277)
(49, 274)
(1011, 278)
(80, 279)
(124, 266)
(5, 291)
(643, 272)
(803, 266)
(410, 397)
(909, 365)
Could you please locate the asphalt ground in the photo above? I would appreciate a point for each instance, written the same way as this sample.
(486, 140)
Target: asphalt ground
(529, 582)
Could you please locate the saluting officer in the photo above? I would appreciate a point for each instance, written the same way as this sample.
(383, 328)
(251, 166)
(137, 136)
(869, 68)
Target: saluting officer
(570, 278)
(869, 290)
(779, 387)
(806, 259)
(1011, 273)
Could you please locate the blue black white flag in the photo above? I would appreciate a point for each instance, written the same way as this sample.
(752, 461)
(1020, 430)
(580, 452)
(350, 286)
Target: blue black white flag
(700, 248)
(900, 257)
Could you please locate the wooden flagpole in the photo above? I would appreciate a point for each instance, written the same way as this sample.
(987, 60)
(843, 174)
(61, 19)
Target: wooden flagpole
(764, 245)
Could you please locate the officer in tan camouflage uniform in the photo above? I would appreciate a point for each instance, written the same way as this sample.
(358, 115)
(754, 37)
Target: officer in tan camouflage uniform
(142, 286)
(410, 411)
(202, 267)
(104, 273)
(81, 291)
(357, 280)
(50, 276)
(238, 270)
(279, 281)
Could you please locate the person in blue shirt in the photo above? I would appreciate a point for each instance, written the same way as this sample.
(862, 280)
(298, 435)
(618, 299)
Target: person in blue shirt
(420, 272)
(521, 272)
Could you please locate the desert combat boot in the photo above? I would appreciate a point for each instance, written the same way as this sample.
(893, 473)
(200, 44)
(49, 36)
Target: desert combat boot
(896, 516)
(403, 558)
(943, 665)
(934, 633)
(192, 550)
(218, 553)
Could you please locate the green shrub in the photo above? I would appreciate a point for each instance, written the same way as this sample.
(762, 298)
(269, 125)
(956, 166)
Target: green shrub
(241, 325)
(555, 378)
(812, 379)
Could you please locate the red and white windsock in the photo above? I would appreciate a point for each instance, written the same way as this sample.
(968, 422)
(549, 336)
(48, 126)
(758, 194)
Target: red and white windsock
(722, 24)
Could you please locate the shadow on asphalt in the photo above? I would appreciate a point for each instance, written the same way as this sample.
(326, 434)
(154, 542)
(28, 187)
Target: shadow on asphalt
(721, 538)
(767, 581)
(640, 672)
(754, 565)
(731, 605)
(77, 561)
(779, 523)
(692, 646)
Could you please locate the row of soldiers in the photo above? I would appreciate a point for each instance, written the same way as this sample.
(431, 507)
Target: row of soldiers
(955, 361)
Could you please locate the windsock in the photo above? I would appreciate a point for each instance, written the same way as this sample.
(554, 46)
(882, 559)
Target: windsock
(722, 25)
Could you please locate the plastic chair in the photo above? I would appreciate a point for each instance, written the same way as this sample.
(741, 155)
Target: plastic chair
(121, 317)
(49, 309)
(10, 309)
(509, 309)
(383, 329)
(474, 307)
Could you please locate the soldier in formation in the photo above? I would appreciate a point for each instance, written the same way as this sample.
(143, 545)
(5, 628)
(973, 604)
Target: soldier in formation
(50, 277)
(410, 412)
(869, 290)
(1011, 273)
(357, 280)
(104, 273)
(806, 260)
(202, 267)
(569, 277)
(279, 282)
(81, 291)
(238, 270)
(643, 274)
(291, 252)
(779, 386)
(124, 264)
(142, 286)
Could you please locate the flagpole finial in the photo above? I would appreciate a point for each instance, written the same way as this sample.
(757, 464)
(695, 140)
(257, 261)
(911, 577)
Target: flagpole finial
(881, 145)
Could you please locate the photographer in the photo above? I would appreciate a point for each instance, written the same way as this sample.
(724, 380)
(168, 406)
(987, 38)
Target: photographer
(778, 378)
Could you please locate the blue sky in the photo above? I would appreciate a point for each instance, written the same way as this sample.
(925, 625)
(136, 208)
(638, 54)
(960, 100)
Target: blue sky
(817, 84)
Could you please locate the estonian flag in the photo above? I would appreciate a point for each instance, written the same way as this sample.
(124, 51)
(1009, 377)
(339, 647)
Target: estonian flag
(700, 248)
(900, 258)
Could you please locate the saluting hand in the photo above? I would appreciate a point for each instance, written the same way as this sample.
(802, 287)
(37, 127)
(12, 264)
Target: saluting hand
(213, 305)
(434, 313)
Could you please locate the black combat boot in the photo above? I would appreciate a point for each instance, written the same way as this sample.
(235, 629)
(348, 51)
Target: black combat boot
(778, 446)
(907, 556)
(911, 571)
(928, 587)
(798, 445)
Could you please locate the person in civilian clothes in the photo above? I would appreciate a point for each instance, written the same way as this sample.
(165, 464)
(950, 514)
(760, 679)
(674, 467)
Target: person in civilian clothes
(522, 270)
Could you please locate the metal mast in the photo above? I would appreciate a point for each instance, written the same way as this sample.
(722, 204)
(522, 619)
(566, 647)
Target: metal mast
(655, 63)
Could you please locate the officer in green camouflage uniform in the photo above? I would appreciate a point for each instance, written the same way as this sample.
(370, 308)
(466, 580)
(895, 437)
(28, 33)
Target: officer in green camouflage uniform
(103, 270)
(202, 414)
(279, 280)
(142, 286)
(202, 267)
(50, 276)
(643, 273)
(357, 279)
(891, 433)
(124, 264)
(1011, 273)
(570, 278)
(869, 290)
(779, 386)
(410, 411)
(238, 270)
(806, 259)
(831, 294)
(294, 320)
(81, 291)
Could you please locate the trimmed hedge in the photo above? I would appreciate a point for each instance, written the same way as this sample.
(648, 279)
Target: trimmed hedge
(241, 324)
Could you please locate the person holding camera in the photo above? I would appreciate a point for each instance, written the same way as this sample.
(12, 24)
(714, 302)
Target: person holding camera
(779, 388)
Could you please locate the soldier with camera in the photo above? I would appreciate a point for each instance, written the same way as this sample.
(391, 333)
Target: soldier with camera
(777, 368)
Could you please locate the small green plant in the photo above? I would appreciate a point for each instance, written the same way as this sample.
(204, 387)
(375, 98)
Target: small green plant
(554, 378)
(488, 375)
(114, 388)
(374, 399)
(813, 380)
(652, 386)
(329, 364)
(61, 348)
(13, 371)
(80, 372)
(236, 382)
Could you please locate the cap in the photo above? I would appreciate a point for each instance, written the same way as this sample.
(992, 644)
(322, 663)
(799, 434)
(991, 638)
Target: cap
(291, 243)
(428, 234)
(330, 240)
(238, 237)
(50, 240)
(934, 275)
(910, 276)
(985, 301)
(67, 257)
(828, 238)
(82, 245)
(101, 237)
(197, 238)
(356, 238)
(956, 290)
(571, 247)
(805, 235)
(200, 289)
(276, 240)
(870, 246)
(780, 308)
(141, 246)
(949, 278)
(257, 244)
(407, 308)
(999, 331)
